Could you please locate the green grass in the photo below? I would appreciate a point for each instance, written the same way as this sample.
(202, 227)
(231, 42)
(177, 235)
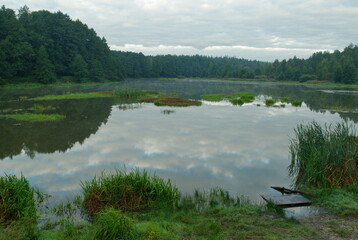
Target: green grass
(72, 96)
(270, 102)
(296, 103)
(338, 201)
(35, 117)
(213, 97)
(129, 93)
(16, 199)
(111, 224)
(131, 191)
(324, 156)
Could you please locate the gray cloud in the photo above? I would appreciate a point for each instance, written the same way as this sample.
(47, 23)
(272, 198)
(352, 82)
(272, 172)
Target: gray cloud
(262, 29)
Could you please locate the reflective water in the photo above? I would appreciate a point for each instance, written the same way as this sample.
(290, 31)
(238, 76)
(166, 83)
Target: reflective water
(242, 149)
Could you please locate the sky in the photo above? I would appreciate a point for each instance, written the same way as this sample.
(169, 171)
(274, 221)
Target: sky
(253, 29)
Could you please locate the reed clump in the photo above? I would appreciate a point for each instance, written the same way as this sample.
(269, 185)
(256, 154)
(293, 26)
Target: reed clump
(17, 199)
(132, 191)
(324, 156)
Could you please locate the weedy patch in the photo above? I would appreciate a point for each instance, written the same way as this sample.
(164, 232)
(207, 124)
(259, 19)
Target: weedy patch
(131, 191)
(17, 199)
(324, 156)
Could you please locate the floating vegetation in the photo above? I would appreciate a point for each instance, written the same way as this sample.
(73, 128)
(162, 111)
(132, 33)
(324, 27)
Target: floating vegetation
(135, 190)
(213, 97)
(270, 102)
(167, 111)
(324, 156)
(35, 117)
(296, 103)
(285, 100)
(236, 99)
(72, 96)
(170, 101)
(129, 93)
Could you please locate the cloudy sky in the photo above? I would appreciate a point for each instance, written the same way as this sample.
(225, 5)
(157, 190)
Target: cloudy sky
(252, 29)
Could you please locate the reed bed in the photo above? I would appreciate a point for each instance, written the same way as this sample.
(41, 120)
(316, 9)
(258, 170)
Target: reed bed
(129, 93)
(131, 191)
(324, 156)
(16, 199)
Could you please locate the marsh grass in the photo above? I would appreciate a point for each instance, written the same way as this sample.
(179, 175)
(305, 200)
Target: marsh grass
(129, 93)
(34, 117)
(170, 101)
(270, 102)
(213, 97)
(324, 156)
(72, 96)
(17, 199)
(131, 191)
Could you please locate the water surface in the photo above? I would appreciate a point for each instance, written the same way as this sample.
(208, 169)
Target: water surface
(241, 149)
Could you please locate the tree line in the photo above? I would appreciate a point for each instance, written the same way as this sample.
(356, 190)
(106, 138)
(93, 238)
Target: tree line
(339, 67)
(45, 47)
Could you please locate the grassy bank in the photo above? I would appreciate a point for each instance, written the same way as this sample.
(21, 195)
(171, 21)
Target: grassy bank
(140, 206)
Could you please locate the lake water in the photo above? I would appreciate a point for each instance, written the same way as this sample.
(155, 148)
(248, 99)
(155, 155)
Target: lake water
(243, 149)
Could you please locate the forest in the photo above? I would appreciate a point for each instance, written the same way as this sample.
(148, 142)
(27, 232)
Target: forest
(44, 47)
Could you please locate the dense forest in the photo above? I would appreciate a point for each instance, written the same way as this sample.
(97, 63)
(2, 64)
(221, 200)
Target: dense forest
(137, 65)
(42, 47)
(339, 67)
(47, 47)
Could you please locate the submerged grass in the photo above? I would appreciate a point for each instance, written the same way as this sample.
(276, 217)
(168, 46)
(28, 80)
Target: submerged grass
(324, 156)
(35, 117)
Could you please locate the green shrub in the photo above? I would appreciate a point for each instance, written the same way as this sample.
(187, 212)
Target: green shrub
(236, 101)
(247, 97)
(16, 199)
(128, 191)
(112, 224)
(324, 156)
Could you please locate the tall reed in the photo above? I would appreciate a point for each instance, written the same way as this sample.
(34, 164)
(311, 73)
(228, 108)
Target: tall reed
(324, 156)
(16, 199)
(128, 191)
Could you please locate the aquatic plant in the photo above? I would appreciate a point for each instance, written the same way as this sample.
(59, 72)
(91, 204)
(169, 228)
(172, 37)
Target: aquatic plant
(17, 199)
(296, 103)
(128, 191)
(131, 93)
(270, 102)
(170, 101)
(72, 96)
(324, 156)
(32, 117)
(247, 97)
(111, 224)
(236, 101)
(213, 97)
(285, 100)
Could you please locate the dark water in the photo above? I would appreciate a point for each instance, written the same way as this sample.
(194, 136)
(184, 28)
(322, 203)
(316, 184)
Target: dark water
(242, 149)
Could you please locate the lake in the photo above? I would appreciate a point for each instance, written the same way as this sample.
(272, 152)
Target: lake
(243, 149)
